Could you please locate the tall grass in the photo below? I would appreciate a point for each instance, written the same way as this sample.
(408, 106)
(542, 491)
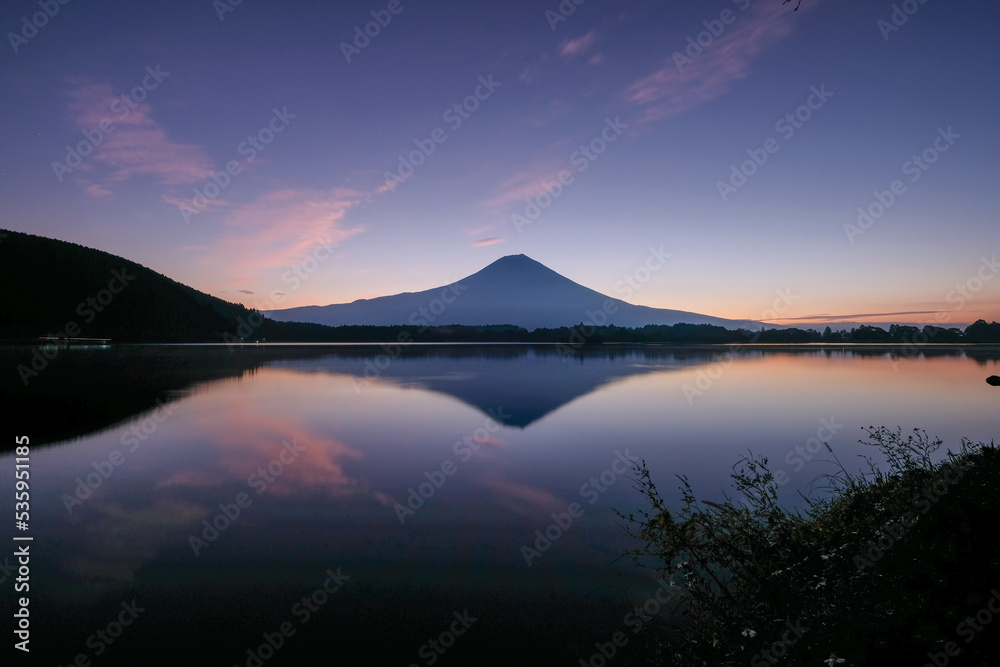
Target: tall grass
(881, 567)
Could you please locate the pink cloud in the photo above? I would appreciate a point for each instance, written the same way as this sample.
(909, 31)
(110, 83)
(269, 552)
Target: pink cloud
(130, 143)
(281, 229)
(479, 231)
(96, 190)
(492, 240)
(256, 438)
(389, 186)
(679, 86)
(190, 479)
(526, 184)
(521, 499)
(579, 46)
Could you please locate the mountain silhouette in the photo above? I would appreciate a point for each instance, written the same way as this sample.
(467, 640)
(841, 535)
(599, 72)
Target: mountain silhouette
(90, 390)
(513, 290)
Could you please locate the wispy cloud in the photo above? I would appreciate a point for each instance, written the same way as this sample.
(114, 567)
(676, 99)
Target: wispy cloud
(667, 91)
(853, 316)
(491, 240)
(280, 229)
(579, 46)
(520, 499)
(135, 146)
(563, 63)
(537, 71)
(526, 184)
(207, 204)
(674, 89)
(95, 189)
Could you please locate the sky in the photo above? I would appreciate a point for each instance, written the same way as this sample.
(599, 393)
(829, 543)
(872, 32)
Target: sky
(834, 162)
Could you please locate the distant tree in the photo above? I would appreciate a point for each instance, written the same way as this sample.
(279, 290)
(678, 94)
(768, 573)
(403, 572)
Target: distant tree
(942, 335)
(901, 333)
(869, 334)
(981, 332)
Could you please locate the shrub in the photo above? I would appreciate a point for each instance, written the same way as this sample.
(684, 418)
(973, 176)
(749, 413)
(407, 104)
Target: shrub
(842, 579)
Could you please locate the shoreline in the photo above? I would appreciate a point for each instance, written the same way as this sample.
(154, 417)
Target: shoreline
(105, 343)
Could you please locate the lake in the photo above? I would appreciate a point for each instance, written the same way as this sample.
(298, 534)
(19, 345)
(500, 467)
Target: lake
(365, 506)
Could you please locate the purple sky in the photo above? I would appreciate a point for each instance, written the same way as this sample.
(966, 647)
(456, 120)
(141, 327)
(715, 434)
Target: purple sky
(460, 133)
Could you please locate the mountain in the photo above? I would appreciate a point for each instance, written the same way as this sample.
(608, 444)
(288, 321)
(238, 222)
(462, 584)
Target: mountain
(513, 290)
(95, 389)
(50, 287)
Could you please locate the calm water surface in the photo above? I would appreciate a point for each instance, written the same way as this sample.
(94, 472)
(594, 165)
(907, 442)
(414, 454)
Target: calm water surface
(414, 483)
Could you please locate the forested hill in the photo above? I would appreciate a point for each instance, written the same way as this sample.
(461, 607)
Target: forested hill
(50, 287)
